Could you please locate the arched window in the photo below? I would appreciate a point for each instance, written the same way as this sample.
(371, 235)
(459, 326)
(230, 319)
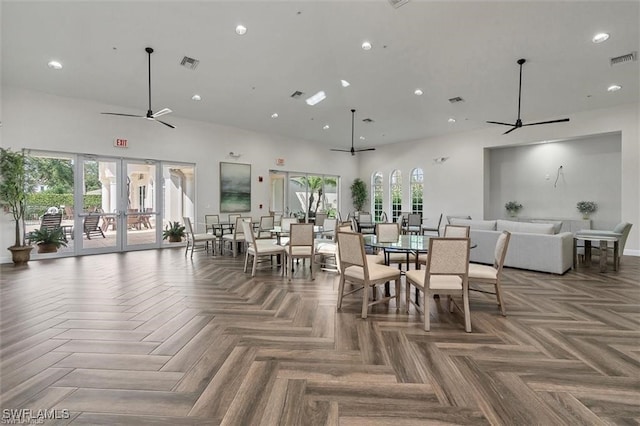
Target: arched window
(417, 190)
(396, 194)
(376, 194)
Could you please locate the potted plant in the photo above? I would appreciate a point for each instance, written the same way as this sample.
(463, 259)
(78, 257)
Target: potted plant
(513, 207)
(13, 196)
(49, 240)
(586, 208)
(174, 232)
(358, 194)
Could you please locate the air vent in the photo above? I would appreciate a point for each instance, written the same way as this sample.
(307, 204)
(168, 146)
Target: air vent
(629, 57)
(456, 100)
(296, 94)
(189, 63)
(367, 120)
(398, 3)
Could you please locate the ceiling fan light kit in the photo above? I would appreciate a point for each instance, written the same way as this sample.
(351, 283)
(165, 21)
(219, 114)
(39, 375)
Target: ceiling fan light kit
(518, 122)
(353, 150)
(150, 114)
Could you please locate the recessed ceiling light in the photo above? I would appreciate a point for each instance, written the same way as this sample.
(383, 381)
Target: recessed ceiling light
(366, 45)
(362, 138)
(614, 88)
(55, 65)
(325, 127)
(318, 97)
(451, 120)
(241, 30)
(196, 97)
(600, 37)
(418, 92)
(345, 83)
(274, 115)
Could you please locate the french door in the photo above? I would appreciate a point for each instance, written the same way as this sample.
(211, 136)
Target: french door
(123, 194)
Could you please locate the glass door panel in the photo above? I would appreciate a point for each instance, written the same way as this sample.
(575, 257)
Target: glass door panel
(141, 214)
(96, 224)
(51, 182)
(297, 196)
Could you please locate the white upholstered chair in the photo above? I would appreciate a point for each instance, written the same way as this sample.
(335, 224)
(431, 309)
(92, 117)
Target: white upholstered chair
(236, 237)
(364, 275)
(447, 273)
(300, 246)
(431, 228)
(389, 233)
(194, 239)
(491, 274)
(266, 225)
(259, 249)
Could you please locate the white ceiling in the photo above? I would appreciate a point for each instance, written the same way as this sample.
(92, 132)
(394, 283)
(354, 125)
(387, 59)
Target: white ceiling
(448, 49)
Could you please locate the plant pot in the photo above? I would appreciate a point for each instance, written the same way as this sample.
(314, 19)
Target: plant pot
(47, 248)
(21, 254)
(585, 216)
(175, 239)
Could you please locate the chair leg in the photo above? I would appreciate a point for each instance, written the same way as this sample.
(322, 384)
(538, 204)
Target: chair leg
(340, 291)
(255, 264)
(407, 294)
(500, 299)
(397, 282)
(365, 300)
(246, 261)
(426, 307)
(467, 312)
(186, 250)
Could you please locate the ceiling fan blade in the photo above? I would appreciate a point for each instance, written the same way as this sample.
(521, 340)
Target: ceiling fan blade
(365, 149)
(163, 111)
(547, 122)
(499, 122)
(124, 115)
(340, 150)
(510, 130)
(165, 123)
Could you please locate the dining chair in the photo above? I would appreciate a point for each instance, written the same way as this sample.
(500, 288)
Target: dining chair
(447, 273)
(366, 224)
(356, 270)
(212, 223)
(235, 238)
(300, 246)
(431, 229)
(390, 233)
(491, 274)
(450, 231)
(456, 231)
(260, 249)
(277, 218)
(413, 225)
(329, 228)
(193, 238)
(319, 218)
(383, 218)
(623, 229)
(266, 225)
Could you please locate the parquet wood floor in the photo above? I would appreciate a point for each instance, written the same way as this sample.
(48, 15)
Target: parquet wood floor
(152, 337)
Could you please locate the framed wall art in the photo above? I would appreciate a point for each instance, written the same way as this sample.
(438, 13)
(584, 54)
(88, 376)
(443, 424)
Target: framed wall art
(235, 187)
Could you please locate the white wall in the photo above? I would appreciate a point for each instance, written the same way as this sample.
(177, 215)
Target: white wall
(458, 185)
(591, 171)
(40, 121)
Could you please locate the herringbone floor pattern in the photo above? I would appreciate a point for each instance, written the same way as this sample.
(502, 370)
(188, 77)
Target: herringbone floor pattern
(152, 337)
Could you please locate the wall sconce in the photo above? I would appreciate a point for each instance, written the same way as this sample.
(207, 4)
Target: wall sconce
(234, 154)
(440, 160)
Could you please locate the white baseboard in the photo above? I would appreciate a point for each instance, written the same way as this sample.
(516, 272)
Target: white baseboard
(628, 252)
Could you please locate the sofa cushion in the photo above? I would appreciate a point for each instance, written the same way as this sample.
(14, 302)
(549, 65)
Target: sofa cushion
(485, 225)
(524, 227)
(557, 224)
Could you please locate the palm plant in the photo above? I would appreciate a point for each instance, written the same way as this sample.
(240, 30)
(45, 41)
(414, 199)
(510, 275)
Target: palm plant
(315, 185)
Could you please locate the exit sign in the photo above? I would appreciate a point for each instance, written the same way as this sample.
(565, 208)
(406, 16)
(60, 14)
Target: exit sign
(121, 143)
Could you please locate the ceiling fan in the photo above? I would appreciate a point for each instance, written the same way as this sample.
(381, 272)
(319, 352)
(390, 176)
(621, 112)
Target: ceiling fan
(353, 150)
(150, 114)
(518, 122)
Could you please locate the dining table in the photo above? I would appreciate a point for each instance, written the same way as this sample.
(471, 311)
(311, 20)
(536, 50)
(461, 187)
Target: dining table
(407, 243)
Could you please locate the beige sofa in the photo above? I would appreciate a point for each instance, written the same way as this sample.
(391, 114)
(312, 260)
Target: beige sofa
(533, 246)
